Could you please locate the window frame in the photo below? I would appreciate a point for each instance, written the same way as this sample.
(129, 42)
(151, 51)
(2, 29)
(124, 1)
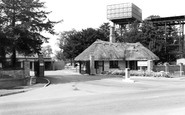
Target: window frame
(113, 64)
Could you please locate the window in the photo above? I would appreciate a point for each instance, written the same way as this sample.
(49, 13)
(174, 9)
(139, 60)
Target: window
(98, 64)
(113, 64)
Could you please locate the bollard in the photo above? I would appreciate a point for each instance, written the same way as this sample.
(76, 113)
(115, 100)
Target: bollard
(127, 76)
(127, 73)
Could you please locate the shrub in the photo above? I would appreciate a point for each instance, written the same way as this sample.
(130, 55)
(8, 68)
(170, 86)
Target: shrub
(140, 73)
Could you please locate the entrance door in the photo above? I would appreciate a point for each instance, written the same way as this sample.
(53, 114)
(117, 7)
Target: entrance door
(99, 66)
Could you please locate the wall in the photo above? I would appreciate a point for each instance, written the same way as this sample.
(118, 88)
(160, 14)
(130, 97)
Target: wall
(106, 65)
(12, 78)
(12, 74)
(122, 65)
(10, 83)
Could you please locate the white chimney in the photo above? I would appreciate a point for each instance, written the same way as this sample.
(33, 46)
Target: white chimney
(112, 34)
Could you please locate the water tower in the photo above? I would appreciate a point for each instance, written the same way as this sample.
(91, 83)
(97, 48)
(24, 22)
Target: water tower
(122, 14)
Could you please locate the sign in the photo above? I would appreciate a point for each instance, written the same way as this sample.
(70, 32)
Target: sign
(182, 60)
(142, 63)
(41, 64)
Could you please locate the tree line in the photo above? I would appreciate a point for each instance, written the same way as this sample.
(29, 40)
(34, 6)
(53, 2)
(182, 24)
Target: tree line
(164, 45)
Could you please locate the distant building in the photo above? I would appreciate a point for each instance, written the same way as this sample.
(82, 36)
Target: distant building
(48, 61)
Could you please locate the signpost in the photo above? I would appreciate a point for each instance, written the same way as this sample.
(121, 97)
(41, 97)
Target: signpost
(41, 66)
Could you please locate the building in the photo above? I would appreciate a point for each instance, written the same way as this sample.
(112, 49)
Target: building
(104, 56)
(33, 60)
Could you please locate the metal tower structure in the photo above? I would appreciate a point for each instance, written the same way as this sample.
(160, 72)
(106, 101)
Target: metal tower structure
(168, 22)
(123, 14)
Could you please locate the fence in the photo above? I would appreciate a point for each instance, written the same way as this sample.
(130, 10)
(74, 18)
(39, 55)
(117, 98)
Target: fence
(171, 69)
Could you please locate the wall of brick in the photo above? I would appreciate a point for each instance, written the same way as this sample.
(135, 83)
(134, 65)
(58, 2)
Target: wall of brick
(106, 66)
(10, 83)
(12, 78)
(12, 74)
(122, 65)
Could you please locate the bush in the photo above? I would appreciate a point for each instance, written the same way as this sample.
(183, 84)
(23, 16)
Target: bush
(116, 72)
(140, 73)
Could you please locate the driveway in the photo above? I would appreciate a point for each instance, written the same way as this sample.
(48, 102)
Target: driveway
(71, 93)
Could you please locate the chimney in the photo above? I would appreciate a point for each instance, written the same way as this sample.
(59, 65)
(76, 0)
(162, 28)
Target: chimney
(112, 34)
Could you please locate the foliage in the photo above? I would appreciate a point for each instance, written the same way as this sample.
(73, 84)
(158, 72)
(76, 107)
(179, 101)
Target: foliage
(22, 22)
(130, 33)
(59, 55)
(153, 37)
(47, 51)
(165, 46)
(73, 42)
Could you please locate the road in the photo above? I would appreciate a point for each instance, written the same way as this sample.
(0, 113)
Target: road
(71, 93)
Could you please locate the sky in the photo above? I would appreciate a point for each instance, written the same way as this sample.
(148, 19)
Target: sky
(82, 14)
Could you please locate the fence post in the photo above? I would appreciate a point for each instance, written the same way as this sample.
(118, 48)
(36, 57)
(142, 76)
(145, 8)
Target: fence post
(181, 69)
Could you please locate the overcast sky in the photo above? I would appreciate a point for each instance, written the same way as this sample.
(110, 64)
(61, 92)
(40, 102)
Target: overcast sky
(81, 14)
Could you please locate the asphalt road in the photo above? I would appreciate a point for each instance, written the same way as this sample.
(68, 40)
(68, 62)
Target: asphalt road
(74, 94)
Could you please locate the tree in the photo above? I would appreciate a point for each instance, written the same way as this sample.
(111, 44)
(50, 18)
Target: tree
(153, 37)
(131, 34)
(4, 44)
(105, 30)
(73, 42)
(59, 55)
(47, 51)
(65, 43)
(24, 21)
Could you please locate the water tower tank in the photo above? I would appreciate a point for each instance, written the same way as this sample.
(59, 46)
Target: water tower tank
(124, 13)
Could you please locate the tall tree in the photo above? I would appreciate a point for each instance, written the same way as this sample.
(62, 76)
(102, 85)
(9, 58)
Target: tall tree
(105, 30)
(25, 20)
(153, 37)
(73, 42)
(131, 33)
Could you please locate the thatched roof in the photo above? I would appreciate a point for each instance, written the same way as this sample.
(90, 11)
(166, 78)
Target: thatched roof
(103, 50)
(136, 51)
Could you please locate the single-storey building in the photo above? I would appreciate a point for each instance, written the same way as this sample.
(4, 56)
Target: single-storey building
(104, 56)
(33, 60)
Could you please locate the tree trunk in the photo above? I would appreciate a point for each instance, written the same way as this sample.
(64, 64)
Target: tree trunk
(2, 56)
(14, 39)
(14, 57)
